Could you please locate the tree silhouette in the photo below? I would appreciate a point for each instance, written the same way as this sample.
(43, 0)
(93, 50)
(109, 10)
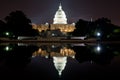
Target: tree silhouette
(101, 25)
(105, 26)
(3, 28)
(19, 24)
(81, 28)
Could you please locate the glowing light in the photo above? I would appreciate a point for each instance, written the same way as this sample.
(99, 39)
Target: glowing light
(53, 46)
(7, 48)
(98, 34)
(46, 56)
(53, 34)
(7, 33)
(98, 48)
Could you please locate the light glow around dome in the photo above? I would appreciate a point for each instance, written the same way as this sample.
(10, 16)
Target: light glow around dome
(60, 16)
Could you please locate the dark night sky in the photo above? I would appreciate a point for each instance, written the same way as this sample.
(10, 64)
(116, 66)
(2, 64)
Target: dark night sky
(41, 11)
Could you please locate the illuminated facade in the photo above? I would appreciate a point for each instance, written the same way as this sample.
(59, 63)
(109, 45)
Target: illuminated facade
(59, 23)
(64, 52)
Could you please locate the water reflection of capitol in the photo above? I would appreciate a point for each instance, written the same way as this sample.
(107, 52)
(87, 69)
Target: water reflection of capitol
(59, 57)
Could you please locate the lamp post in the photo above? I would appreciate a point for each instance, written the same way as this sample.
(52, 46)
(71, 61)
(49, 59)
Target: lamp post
(7, 33)
(98, 35)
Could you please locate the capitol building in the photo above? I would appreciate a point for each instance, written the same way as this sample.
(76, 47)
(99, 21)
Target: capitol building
(60, 27)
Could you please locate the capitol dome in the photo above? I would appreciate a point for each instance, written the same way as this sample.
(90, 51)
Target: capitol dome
(60, 16)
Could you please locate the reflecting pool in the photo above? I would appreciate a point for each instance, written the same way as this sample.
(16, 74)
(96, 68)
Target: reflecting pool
(56, 61)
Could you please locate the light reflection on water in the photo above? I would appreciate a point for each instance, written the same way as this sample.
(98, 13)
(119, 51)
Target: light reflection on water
(60, 60)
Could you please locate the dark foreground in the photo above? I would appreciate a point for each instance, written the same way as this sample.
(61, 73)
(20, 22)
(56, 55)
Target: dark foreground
(90, 62)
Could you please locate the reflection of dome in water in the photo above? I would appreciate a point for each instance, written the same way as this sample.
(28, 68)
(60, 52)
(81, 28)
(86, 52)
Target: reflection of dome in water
(60, 63)
(60, 17)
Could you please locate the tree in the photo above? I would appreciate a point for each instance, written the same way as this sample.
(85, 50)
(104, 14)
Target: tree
(105, 26)
(19, 24)
(2, 26)
(81, 28)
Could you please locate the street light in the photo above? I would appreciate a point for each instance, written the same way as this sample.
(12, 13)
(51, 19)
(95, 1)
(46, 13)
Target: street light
(98, 34)
(8, 48)
(7, 33)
